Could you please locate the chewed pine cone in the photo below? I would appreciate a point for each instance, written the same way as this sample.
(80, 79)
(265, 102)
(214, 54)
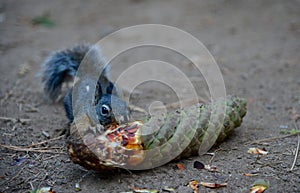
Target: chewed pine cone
(180, 134)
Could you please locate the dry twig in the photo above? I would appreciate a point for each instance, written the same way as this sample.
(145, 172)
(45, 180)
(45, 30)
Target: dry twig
(21, 120)
(40, 150)
(32, 148)
(272, 138)
(46, 141)
(297, 150)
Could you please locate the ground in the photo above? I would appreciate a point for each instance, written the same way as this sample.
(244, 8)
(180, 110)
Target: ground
(255, 43)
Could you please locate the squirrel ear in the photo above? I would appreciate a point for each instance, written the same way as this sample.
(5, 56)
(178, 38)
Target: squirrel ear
(104, 85)
(97, 61)
(109, 89)
(98, 93)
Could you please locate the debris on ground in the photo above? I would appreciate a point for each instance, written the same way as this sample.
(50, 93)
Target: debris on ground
(43, 20)
(168, 189)
(180, 166)
(213, 185)
(257, 151)
(143, 190)
(259, 186)
(43, 190)
(194, 184)
(198, 165)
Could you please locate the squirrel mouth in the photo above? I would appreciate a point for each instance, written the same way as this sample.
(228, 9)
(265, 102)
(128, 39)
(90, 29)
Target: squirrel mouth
(118, 146)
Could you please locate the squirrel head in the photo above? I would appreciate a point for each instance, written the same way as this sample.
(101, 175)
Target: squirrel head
(111, 109)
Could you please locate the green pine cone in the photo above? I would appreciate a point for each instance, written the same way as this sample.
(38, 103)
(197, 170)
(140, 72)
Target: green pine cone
(181, 133)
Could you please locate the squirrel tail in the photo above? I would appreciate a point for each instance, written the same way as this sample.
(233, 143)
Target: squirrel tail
(61, 66)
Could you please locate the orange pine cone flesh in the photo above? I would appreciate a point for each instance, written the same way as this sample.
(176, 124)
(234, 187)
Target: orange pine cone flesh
(116, 146)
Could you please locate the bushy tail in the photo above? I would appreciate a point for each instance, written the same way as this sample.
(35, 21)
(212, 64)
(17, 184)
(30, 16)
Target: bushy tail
(61, 66)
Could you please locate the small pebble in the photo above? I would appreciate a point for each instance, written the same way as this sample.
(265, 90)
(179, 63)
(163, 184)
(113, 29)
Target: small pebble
(46, 134)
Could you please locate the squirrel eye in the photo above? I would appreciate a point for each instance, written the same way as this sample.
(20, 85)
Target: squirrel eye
(105, 110)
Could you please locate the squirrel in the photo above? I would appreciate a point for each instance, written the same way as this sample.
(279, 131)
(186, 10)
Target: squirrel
(61, 66)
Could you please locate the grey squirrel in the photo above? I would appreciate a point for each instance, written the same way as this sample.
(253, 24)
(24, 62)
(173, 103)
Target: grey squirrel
(62, 66)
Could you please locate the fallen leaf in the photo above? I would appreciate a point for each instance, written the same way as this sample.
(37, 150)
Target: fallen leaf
(213, 185)
(257, 189)
(249, 175)
(141, 190)
(44, 190)
(194, 185)
(77, 187)
(257, 151)
(180, 167)
(167, 189)
(43, 20)
(127, 192)
(259, 186)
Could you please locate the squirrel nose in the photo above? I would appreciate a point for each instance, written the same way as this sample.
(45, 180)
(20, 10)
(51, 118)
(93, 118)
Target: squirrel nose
(120, 119)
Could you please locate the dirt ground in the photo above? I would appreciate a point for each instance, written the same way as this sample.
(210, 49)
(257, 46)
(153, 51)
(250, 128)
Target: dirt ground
(256, 45)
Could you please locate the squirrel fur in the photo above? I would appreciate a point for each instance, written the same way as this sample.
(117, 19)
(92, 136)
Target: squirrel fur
(62, 66)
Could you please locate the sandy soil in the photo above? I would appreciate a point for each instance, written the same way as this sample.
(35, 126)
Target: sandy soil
(256, 45)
